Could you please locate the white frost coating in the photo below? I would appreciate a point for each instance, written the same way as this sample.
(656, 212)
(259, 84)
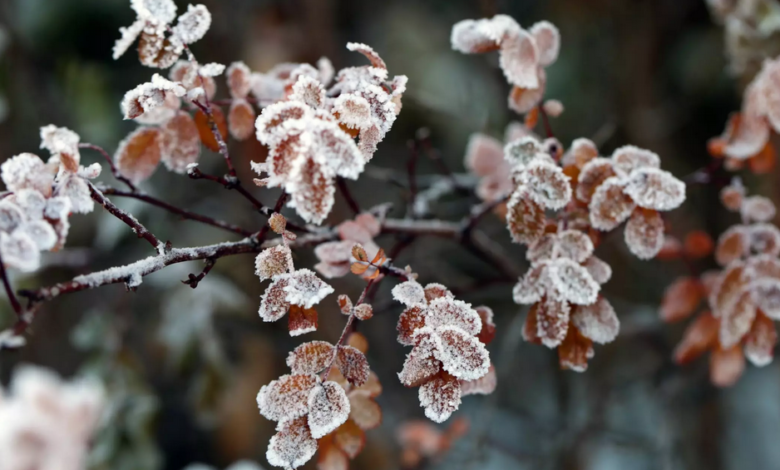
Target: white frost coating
(11, 216)
(309, 91)
(461, 354)
(292, 446)
(644, 234)
(655, 189)
(354, 111)
(597, 321)
(31, 202)
(305, 289)
(128, 37)
(57, 208)
(148, 96)
(766, 295)
(287, 397)
(757, 209)
(608, 207)
(212, 69)
(328, 408)
(41, 233)
(9, 339)
(59, 140)
(574, 244)
(90, 172)
(409, 293)
(449, 312)
(546, 184)
(193, 25)
(440, 398)
(572, 282)
(121, 273)
(548, 41)
(273, 261)
(531, 287)
(600, 271)
(20, 251)
(26, 170)
(162, 11)
(629, 158)
(523, 151)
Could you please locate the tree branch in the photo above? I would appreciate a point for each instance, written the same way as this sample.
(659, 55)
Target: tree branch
(128, 219)
(111, 165)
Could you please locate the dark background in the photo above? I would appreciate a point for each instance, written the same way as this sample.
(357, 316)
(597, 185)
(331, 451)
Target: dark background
(647, 72)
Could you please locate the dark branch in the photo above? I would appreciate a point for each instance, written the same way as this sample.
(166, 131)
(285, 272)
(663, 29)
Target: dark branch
(128, 219)
(111, 165)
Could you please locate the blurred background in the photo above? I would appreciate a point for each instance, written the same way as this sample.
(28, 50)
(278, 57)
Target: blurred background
(183, 366)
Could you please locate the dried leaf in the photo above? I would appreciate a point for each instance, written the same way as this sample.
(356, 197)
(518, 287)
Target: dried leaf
(204, 128)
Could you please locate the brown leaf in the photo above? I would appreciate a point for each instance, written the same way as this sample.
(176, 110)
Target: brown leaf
(359, 253)
(380, 255)
(204, 128)
(345, 305)
(353, 365)
(241, 119)
(301, 320)
(350, 438)
(358, 268)
(139, 154)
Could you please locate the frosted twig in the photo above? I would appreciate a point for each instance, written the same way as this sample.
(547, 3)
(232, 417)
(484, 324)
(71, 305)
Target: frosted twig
(193, 280)
(128, 219)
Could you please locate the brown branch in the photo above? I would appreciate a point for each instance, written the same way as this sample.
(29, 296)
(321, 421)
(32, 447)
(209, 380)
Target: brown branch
(128, 219)
(9, 290)
(193, 280)
(223, 149)
(111, 165)
(185, 214)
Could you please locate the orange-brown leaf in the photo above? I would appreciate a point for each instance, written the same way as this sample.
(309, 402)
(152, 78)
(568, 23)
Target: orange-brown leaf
(350, 438)
(726, 366)
(700, 336)
(574, 351)
(698, 244)
(301, 320)
(359, 253)
(681, 299)
(139, 154)
(204, 127)
(358, 268)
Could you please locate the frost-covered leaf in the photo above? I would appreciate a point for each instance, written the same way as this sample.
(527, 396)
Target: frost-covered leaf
(597, 321)
(600, 271)
(629, 158)
(412, 319)
(484, 385)
(700, 336)
(440, 397)
(726, 366)
(574, 244)
(287, 397)
(301, 320)
(308, 91)
(204, 127)
(551, 318)
(180, 145)
(239, 80)
(525, 218)
(765, 293)
(193, 24)
(364, 411)
(312, 192)
(736, 321)
(148, 96)
(681, 299)
(353, 365)
(370, 54)
(449, 312)
(273, 261)
(274, 303)
(139, 154)
(26, 170)
(732, 244)
(488, 331)
(311, 357)
(574, 351)
(11, 216)
(523, 151)
(655, 189)
(732, 195)
(728, 288)
(435, 291)
(76, 190)
(212, 69)
(519, 59)
(328, 408)
(757, 209)
(532, 286)
(483, 154)
(610, 206)
(19, 251)
(292, 446)
(353, 110)
(41, 233)
(543, 250)
(64, 143)
(484, 35)
(409, 293)
(546, 184)
(645, 233)
(548, 41)
(461, 355)
(420, 364)
(241, 119)
(305, 289)
(760, 341)
(572, 282)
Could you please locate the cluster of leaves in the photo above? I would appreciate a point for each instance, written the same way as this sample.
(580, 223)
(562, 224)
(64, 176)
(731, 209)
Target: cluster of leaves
(742, 299)
(291, 290)
(47, 423)
(328, 396)
(42, 195)
(448, 359)
(746, 138)
(751, 27)
(523, 55)
(312, 132)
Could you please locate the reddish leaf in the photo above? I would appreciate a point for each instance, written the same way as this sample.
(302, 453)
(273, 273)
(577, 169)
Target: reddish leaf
(301, 320)
(204, 127)
(353, 365)
(139, 154)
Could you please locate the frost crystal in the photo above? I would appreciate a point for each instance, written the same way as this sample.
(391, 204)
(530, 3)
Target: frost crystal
(440, 397)
(212, 69)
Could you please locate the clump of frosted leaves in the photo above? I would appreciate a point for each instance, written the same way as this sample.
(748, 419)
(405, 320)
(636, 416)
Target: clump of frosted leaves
(539, 184)
(160, 44)
(34, 216)
(60, 417)
(306, 407)
(562, 286)
(754, 236)
(335, 258)
(291, 290)
(630, 186)
(311, 136)
(523, 54)
(447, 351)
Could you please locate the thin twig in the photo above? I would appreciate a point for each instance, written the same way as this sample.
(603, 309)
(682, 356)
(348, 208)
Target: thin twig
(128, 219)
(223, 149)
(347, 328)
(111, 165)
(9, 291)
(546, 121)
(182, 212)
(193, 280)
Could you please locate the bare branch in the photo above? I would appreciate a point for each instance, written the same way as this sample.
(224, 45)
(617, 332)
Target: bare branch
(128, 219)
